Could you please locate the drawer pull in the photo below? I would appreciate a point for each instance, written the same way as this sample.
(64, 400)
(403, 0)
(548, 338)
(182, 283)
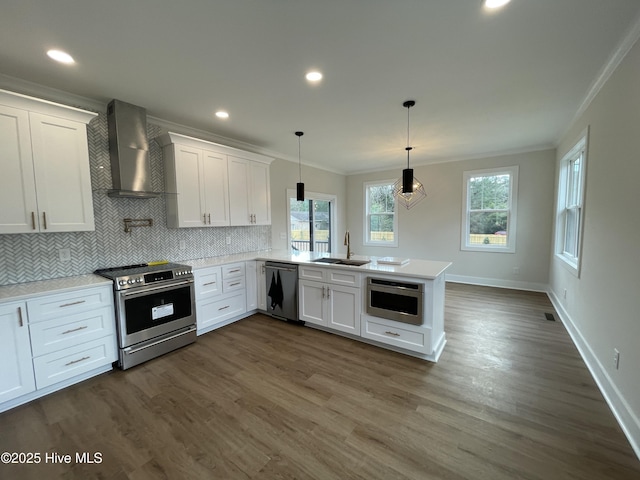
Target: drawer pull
(20, 317)
(74, 330)
(72, 303)
(33, 220)
(393, 333)
(235, 284)
(76, 361)
(209, 283)
(234, 270)
(44, 219)
(223, 308)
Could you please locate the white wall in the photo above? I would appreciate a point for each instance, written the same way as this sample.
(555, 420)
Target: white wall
(284, 175)
(602, 307)
(431, 230)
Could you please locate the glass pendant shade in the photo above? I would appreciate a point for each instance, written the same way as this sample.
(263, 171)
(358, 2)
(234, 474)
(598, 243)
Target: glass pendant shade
(408, 190)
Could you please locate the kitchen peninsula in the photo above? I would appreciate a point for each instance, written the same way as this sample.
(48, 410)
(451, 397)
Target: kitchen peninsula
(336, 297)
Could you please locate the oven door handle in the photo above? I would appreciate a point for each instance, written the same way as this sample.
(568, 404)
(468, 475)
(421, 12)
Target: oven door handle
(131, 350)
(146, 290)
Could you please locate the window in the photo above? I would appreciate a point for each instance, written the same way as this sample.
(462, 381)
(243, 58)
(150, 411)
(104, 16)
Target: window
(311, 222)
(381, 227)
(489, 210)
(570, 207)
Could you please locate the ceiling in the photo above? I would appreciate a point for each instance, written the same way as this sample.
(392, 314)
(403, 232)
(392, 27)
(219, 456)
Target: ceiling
(484, 84)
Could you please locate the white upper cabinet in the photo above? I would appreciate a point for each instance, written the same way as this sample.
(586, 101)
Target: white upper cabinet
(196, 180)
(211, 185)
(249, 185)
(44, 159)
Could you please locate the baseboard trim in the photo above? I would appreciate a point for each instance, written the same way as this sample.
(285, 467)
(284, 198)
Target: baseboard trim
(620, 408)
(498, 283)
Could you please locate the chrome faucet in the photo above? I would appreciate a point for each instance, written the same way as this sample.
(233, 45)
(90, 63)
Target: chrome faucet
(347, 242)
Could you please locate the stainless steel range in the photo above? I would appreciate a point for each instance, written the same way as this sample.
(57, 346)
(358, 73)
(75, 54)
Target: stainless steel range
(155, 310)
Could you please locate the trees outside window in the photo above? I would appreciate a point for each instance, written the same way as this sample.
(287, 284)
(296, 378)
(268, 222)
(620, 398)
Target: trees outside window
(489, 216)
(381, 226)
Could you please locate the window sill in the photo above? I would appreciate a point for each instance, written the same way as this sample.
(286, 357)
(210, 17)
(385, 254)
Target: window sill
(570, 266)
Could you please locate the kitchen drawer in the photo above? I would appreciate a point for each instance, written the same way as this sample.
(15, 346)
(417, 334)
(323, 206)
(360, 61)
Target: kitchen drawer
(71, 330)
(309, 272)
(53, 306)
(208, 282)
(62, 365)
(233, 270)
(211, 312)
(409, 337)
(339, 276)
(233, 284)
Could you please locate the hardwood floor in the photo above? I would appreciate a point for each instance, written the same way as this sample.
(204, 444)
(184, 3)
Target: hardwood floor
(263, 399)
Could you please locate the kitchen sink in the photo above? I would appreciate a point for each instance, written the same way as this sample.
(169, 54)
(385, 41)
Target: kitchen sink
(342, 261)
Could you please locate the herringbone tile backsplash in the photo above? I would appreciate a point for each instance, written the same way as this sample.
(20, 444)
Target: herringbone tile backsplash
(29, 257)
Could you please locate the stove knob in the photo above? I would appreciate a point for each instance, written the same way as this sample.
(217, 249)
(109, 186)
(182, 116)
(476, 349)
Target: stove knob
(139, 280)
(130, 282)
(122, 282)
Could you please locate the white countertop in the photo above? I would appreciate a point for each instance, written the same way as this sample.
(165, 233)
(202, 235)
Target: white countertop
(21, 291)
(428, 269)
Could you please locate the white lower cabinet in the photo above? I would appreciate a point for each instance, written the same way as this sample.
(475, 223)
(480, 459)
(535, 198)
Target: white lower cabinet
(54, 340)
(16, 369)
(221, 295)
(416, 338)
(333, 306)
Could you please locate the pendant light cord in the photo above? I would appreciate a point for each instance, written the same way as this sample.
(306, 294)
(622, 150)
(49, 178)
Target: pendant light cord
(299, 161)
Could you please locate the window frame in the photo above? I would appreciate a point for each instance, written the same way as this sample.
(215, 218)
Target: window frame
(325, 197)
(367, 233)
(579, 150)
(512, 210)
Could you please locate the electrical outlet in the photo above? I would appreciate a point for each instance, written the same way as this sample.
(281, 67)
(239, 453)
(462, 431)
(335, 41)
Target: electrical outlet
(228, 240)
(64, 254)
(564, 293)
(616, 358)
(183, 245)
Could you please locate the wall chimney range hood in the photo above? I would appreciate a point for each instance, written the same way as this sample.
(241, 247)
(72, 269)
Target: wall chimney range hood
(129, 151)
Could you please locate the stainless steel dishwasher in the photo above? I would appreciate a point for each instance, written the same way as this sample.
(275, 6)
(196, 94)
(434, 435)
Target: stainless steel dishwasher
(282, 290)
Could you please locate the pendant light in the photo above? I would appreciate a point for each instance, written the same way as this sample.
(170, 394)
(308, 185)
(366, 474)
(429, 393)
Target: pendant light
(299, 185)
(408, 189)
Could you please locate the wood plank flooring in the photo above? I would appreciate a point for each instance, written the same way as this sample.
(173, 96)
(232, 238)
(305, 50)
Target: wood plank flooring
(263, 399)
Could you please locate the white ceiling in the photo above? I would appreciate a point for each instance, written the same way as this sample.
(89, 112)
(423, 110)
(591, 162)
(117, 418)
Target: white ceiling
(483, 84)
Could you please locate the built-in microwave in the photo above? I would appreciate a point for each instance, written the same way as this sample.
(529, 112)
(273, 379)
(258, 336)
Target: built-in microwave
(395, 300)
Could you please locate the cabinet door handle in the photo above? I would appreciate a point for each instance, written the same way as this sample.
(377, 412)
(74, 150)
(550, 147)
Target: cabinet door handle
(324, 294)
(33, 220)
(209, 218)
(204, 218)
(71, 304)
(328, 292)
(393, 333)
(20, 321)
(44, 219)
(76, 361)
(74, 330)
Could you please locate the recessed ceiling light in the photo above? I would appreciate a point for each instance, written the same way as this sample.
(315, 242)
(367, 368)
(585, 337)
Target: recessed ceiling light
(60, 56)
(222, 114)
(495, 3)
(314, 76)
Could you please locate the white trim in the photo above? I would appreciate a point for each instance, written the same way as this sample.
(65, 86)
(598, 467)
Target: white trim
(622, 411)
(513, 172)
(333, 201)
(628, 41)
(498, 283)
(365, 229)
(581, 145)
